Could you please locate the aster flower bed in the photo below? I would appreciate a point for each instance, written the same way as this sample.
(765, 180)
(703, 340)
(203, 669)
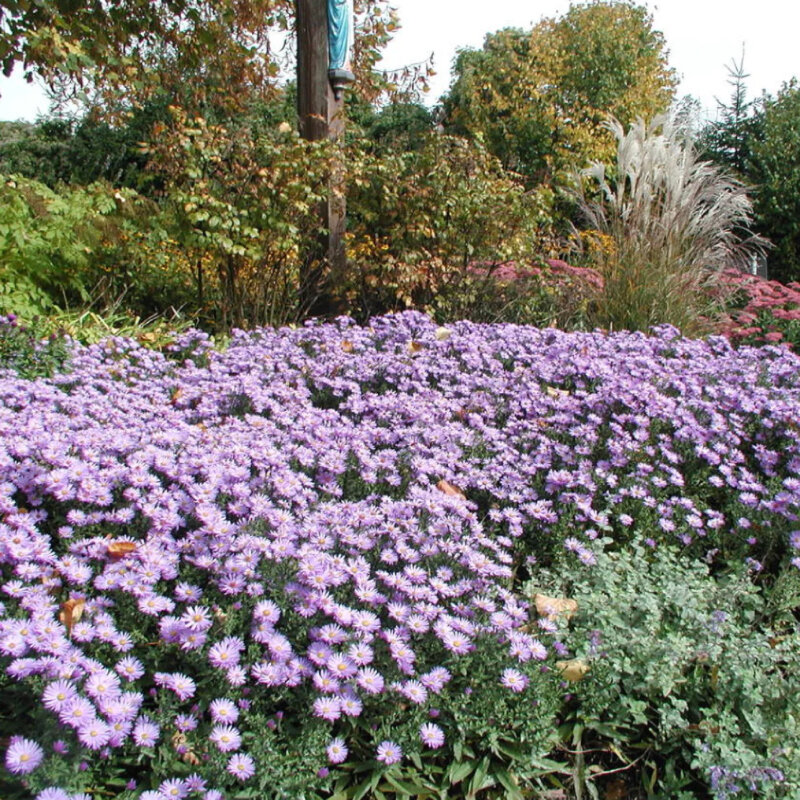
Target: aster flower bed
(297, 566)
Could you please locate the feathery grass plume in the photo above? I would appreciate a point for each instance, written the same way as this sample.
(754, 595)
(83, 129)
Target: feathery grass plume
(668, 223)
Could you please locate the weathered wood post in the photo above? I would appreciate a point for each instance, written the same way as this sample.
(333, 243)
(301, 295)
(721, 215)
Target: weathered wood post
(324, 49)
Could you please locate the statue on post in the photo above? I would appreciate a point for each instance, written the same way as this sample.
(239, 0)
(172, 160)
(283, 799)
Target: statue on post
(341, 23)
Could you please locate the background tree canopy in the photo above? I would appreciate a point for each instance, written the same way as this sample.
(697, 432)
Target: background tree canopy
(539, 98)
(188, 106)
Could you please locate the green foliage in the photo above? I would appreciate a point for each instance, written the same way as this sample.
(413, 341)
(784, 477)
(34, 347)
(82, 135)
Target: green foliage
(27, 353)
(776, 173)
(47, 240)
(728, 141)
(538, 98)
(690, 690)
(398, 126)
(663, 226)
(245, 195)
(60, 150)
(422, 218)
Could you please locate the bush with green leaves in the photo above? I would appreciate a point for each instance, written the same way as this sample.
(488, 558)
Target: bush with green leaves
(665, 224)
(776, 174)
(49, 241)
(420, 219)
(27, 352)
(691, 688)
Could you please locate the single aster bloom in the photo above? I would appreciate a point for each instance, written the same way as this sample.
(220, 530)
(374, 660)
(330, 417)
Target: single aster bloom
(328, 708)
(183, 686)
(57, 694)
(52, 793)
(241, 766)
(226, 738)
(174, 789)
(389, 753)
(23, 755)
(145, 732)
(337, 751)
(129, 668)
(431, 735)
(94, 734)
(513, 679)
(223, 710)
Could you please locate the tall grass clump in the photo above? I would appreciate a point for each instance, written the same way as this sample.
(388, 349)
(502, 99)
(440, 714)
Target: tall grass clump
(662, 224)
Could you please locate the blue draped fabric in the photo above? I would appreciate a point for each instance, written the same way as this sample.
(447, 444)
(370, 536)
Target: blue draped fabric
(340, 33)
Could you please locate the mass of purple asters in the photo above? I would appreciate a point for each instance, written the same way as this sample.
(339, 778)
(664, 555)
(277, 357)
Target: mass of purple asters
(213, 506)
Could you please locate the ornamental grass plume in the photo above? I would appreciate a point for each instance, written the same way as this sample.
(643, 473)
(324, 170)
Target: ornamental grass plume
(663, 226)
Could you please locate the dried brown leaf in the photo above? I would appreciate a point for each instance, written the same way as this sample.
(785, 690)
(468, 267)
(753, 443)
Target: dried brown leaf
(118, 550)
(450, 489)
(573, 670)
(71, 612)
(554, 607)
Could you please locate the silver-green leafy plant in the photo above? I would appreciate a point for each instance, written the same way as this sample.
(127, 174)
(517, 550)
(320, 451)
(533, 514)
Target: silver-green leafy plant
(664, 223)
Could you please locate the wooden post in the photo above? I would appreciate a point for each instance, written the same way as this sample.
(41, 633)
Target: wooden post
(321, 115)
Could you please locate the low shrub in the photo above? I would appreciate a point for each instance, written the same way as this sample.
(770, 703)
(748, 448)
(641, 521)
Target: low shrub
(690, 690)
(28, 352)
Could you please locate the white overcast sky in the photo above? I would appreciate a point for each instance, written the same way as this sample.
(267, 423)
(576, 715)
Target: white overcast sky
(703, 36)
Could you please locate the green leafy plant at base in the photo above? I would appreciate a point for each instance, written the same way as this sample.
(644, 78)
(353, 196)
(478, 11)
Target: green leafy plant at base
(27, 353)
(691, 690)
(665, 224)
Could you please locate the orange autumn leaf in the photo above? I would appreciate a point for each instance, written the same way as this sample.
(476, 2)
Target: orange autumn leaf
(71, 612)
(118, 550)
(450, 489)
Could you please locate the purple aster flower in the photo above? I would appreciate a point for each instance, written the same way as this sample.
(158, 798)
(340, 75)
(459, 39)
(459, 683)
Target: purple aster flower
(414, 691)
(370, 680)
(223, 710)
(241, 766)
(328, 708)
(129, 668)
(145, 732)
(174, 789)
(194, 783)
(76, 711)
(236, 676)
(94, 734)
(337, 751)
(225, 654)
(389, 753)
(225, 738)
(23, 755)
(431, 735)
(183, 686)
(196, 618)
(513, 679)
(52, 793)
(57, 694)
